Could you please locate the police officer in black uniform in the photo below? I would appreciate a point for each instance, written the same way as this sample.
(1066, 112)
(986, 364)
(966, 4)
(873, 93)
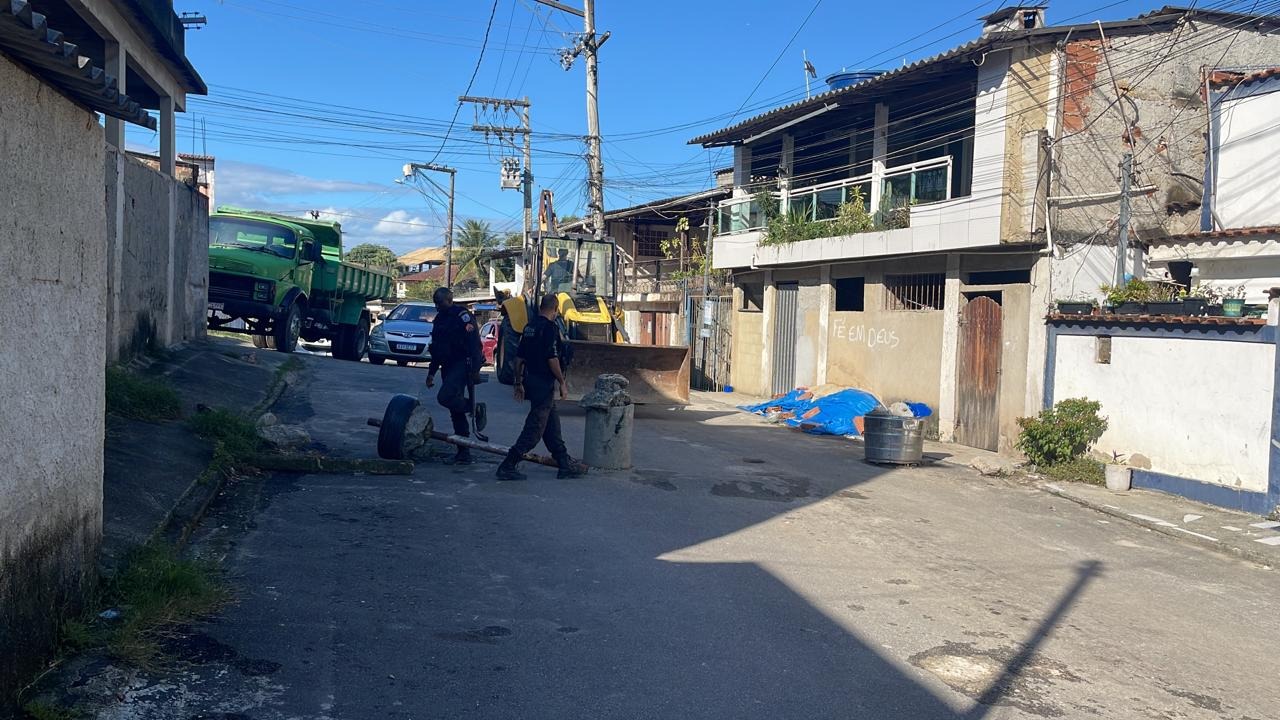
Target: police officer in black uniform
(538, 373)
(455, 349)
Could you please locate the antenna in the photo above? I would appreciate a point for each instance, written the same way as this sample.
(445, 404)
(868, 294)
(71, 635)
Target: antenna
(809, 71)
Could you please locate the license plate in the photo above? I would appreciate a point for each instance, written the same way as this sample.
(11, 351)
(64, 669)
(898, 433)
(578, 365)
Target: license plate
(404, 348)
(217, 306)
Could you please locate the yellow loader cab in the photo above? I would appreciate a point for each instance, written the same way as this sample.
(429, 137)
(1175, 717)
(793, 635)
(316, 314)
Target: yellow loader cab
(582, 273)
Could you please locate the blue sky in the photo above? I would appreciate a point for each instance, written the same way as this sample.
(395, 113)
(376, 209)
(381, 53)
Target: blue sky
(317, 104)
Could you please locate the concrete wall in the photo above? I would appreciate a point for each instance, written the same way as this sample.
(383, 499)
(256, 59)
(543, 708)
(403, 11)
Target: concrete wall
(895, 354)
(1160, 75)
(746, 371)
(158, 275)
(1247, 157)
(52, 290)
(1197, 408)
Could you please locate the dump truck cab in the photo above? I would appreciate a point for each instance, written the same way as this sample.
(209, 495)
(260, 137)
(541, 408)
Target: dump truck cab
(284, 278)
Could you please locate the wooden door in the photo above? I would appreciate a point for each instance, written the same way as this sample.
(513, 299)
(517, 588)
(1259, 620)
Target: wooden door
(978, 374)
(647, 322)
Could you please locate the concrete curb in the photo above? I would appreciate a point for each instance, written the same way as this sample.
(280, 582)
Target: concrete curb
(190, 509)
(1222, 548)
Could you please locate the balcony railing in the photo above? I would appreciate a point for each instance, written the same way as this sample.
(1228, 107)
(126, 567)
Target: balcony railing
(651, 276)
(918, 183)
(822, 202)
(905, 185)
(740, 215)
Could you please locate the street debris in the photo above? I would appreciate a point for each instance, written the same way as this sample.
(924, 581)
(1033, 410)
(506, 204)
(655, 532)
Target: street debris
(285, 436)
(830, 409)
(610, 391)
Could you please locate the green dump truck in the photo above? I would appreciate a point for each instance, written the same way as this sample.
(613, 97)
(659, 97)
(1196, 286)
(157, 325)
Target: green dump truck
(283, 278)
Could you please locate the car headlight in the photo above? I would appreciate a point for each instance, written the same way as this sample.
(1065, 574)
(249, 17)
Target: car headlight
(263, 290)
(378, 332)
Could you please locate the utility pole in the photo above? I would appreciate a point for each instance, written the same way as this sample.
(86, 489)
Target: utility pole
(411, 170)
(589, 45)
(596, 165)
(526, 129)
(1122, 244)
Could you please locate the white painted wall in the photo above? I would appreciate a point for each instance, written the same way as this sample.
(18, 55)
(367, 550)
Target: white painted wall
(966, 222)
(1248, 156)
(1199, 409)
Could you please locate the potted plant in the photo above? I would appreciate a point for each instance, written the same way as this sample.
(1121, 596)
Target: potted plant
(1077, 306)
(1127, 299)
(1197, 300)
(1164, 300)
(1119, 476)
(1233, 301)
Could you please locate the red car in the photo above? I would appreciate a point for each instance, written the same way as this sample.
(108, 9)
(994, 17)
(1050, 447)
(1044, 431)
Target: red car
(489, 340)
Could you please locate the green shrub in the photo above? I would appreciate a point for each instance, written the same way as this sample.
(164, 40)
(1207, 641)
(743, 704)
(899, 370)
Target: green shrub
(1081, 469)
(1064, 432)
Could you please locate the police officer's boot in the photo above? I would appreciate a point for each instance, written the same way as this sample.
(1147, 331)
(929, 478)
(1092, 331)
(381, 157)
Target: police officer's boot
(508, 471)
(570, 468)
(462, 457)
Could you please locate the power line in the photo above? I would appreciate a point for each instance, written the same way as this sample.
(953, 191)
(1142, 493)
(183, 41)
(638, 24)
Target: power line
(475, 71)
(784, 50)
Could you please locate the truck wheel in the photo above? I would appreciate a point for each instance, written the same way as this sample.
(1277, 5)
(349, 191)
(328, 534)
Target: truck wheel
(352, 341)
(288, 329)
(259, 341)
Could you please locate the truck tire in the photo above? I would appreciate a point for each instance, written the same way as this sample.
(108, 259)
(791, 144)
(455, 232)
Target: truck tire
(352, 340)
(259, 341)
(288, 328)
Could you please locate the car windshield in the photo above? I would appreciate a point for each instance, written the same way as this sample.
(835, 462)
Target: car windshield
(414, 313)
(253, 234)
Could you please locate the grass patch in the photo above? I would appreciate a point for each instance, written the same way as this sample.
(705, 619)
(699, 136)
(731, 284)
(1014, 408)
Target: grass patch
(140, 397)
(45, 711)
(154, 592)
(235, 440)
(1081, 469)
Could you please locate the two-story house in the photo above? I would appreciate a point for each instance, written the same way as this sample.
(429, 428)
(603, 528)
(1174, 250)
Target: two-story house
(907, 233)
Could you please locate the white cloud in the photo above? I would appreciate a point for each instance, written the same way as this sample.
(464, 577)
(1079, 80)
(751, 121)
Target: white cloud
(401, 223)
(247, 184)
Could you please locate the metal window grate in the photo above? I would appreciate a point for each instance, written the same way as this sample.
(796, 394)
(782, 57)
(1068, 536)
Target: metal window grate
(921, 291)
(649, 242)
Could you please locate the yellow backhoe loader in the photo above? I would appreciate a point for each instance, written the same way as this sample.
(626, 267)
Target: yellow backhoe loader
(582, 273)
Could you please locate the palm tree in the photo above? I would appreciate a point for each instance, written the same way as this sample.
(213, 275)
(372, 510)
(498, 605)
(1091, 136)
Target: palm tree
(471, 239)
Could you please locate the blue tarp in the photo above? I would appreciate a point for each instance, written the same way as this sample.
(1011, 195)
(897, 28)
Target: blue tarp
(919, 409)
(836, 413)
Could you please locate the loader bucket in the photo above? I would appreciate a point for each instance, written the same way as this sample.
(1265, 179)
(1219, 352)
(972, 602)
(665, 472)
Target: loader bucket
(659, 375)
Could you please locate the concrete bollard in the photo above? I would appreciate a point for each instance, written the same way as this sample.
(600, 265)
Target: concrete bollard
(610, 415)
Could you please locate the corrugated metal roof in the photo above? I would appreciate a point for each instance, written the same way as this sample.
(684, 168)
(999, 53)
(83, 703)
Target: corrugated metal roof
(423, 255)
(796, 109)
(1164, 16)
(26, 37)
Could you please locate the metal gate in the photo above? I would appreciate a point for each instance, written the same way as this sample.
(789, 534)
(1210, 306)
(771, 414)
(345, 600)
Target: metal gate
(711, 337)
(978, 371)
(785, 317)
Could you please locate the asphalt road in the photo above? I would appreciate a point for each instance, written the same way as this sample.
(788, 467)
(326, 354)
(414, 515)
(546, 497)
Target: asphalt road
(742, 571)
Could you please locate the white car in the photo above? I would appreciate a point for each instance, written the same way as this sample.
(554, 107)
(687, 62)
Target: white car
(404, 335)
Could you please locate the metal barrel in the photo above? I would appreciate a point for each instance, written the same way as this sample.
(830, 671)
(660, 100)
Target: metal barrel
(893, 440)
